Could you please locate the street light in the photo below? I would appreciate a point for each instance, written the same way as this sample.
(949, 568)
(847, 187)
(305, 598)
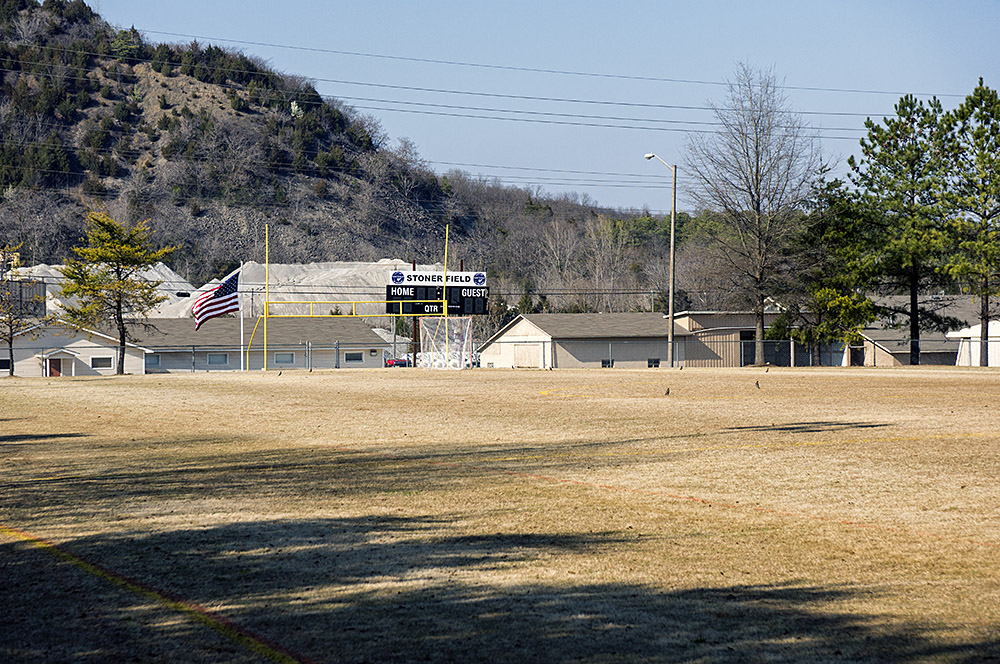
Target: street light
(670, 295)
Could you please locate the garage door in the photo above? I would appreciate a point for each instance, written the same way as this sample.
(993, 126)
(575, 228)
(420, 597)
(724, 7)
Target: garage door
(527, 355)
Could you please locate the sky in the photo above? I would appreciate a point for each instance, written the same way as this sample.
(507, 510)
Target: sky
(568, 96)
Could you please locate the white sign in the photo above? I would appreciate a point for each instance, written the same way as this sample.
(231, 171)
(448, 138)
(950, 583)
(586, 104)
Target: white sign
(399, 278)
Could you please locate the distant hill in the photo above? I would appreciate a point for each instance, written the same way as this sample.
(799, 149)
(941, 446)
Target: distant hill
(210, 144)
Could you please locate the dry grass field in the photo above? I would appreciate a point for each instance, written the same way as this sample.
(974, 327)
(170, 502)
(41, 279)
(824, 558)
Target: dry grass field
(564, 516)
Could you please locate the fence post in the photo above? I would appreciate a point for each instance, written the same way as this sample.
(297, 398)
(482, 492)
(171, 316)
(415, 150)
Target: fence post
(192, 359)
(336, 352)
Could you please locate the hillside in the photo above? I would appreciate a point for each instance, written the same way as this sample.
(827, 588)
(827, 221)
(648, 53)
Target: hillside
(211, 145)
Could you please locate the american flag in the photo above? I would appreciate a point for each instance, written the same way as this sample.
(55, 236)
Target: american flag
(222, 299)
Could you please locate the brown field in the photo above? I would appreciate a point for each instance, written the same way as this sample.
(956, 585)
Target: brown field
(406, 515)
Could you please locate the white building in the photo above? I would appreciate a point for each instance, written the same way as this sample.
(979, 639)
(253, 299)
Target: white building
(56, 349)
(970, 345)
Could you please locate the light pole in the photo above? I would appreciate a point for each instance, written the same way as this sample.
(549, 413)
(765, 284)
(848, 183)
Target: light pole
(670, 293)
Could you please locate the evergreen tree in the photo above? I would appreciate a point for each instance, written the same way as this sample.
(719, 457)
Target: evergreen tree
(900, 174)
(825, 302)
(105, 279)
(971, 195)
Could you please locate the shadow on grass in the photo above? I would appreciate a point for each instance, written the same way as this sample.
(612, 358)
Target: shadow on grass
(811, 427)
(391, 589)
(37, 437)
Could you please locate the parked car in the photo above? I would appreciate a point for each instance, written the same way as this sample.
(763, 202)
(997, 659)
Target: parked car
(399, 362)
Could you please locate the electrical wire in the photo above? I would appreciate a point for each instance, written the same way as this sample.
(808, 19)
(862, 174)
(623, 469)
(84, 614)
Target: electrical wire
(232, 70)
(552, 182)
(540, 70)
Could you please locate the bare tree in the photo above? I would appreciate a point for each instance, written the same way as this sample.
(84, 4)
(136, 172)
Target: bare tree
(607, 249)
(29, 26)
(560, 249)
(756, 171)
(22, 302)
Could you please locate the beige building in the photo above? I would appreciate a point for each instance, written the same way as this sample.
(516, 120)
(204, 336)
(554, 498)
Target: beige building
(550, 341)
(638, 340)
(56, 349)
(725, 339)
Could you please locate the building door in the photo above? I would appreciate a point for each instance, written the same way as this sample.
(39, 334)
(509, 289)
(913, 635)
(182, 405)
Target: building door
(748, 348)
(526, 355)
(857, 356)
(55, 367)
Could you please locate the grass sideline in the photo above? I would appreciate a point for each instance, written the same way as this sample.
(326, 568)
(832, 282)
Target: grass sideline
(493, 515)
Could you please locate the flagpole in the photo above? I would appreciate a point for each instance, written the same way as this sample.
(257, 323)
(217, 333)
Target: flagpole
(239, 289)
(267, 288)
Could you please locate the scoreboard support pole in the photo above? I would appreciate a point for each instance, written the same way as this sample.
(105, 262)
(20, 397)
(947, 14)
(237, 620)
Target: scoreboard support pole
(444, 292)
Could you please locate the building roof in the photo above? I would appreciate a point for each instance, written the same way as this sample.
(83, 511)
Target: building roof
(224, 331)
(74, 332)
(896, 338)
(604, 326)
(961, 307)
(898, 341)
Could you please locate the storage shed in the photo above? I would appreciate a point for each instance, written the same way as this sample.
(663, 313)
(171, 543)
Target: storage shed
(548, 341)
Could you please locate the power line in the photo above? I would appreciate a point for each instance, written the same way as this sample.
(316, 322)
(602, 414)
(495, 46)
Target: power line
(561, 115)
(539, 70)
(560, 122)
(411, 88)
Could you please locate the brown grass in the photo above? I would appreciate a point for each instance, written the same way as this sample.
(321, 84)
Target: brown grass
(407, 515)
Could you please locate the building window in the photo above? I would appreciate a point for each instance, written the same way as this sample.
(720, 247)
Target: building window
(284, 358)
(607, 364)
(152, 360)
(101, 362)
(653, 363)
(5, 364)
(354, 357)
(218, 359)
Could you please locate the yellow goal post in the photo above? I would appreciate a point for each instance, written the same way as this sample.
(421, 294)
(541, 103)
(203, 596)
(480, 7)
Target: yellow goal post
(353, 304)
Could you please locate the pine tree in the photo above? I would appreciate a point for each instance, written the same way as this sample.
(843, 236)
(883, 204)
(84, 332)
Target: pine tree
(972, 198)
(899, 173)
(105, 279)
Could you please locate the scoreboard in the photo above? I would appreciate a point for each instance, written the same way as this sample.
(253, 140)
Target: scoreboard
(426, 300)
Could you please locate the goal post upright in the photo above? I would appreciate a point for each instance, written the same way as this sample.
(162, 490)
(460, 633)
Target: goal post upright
(354, 313)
